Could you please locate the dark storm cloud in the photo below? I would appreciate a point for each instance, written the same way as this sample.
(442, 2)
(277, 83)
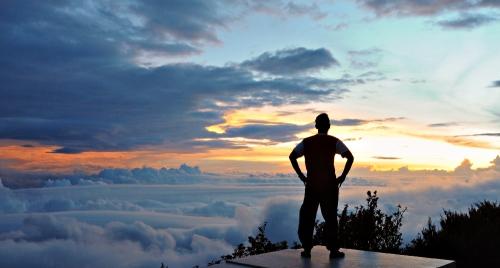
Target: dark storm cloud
(423, 8)
(194, 20)
(467, 21)
(275, 132)
(93, 30)
(121, 109)
(68, 79)
(292, 61)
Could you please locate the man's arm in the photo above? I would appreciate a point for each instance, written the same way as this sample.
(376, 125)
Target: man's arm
(347, 167)
(293, 159)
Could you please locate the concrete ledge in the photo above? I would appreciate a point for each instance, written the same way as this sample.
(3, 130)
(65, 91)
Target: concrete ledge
(354, 258)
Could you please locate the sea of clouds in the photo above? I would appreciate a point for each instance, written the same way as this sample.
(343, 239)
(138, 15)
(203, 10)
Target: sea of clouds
(143, 217)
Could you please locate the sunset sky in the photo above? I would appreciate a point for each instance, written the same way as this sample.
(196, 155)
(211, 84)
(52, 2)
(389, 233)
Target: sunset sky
(232, 86)
(162, 128)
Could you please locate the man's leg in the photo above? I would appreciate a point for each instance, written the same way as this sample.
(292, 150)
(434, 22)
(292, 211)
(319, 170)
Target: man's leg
(307, 218)
(328, 204)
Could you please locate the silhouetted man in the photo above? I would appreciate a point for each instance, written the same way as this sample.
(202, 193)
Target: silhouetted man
(322, 185)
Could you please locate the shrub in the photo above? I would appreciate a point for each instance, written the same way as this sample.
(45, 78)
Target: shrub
(366, 228)
(257, 245)
(472, 239)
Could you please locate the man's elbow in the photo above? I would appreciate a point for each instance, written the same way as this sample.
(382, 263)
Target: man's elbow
(349, 156)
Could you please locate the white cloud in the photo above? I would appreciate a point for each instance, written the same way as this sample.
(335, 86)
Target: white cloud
(282, 217)
(217, 208)
(50, 241)
(185, 225)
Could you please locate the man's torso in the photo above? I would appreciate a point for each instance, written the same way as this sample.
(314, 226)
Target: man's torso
(319, 153)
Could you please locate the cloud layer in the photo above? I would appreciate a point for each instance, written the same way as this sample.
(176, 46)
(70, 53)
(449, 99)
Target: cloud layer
(190, 224)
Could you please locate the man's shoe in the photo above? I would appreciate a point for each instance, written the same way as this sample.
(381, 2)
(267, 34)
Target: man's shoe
(305, 254)
(336, 254)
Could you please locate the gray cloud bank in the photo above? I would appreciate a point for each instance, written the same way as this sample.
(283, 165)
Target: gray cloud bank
(71, 77)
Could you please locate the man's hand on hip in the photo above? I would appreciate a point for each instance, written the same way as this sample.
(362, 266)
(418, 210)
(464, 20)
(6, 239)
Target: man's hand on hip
(303, 178)
(340, 180)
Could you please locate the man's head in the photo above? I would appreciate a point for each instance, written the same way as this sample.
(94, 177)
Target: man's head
(322, 123)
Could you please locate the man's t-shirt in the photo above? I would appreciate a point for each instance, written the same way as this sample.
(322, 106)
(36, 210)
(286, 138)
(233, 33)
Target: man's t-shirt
(319, 152)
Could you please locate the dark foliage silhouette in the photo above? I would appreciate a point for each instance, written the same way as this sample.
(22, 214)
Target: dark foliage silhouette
(258, 244)
(472, 239)
(367, 228)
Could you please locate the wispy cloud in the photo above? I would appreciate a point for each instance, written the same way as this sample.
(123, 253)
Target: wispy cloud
(467, 21)
(386, 157)
(365, 58)
(406, 8)
(312, 10)
(357, 121)
(444, 124)
(461, 140)
(489, 134)
(423, 8)
(495, 83)
(468, 142)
